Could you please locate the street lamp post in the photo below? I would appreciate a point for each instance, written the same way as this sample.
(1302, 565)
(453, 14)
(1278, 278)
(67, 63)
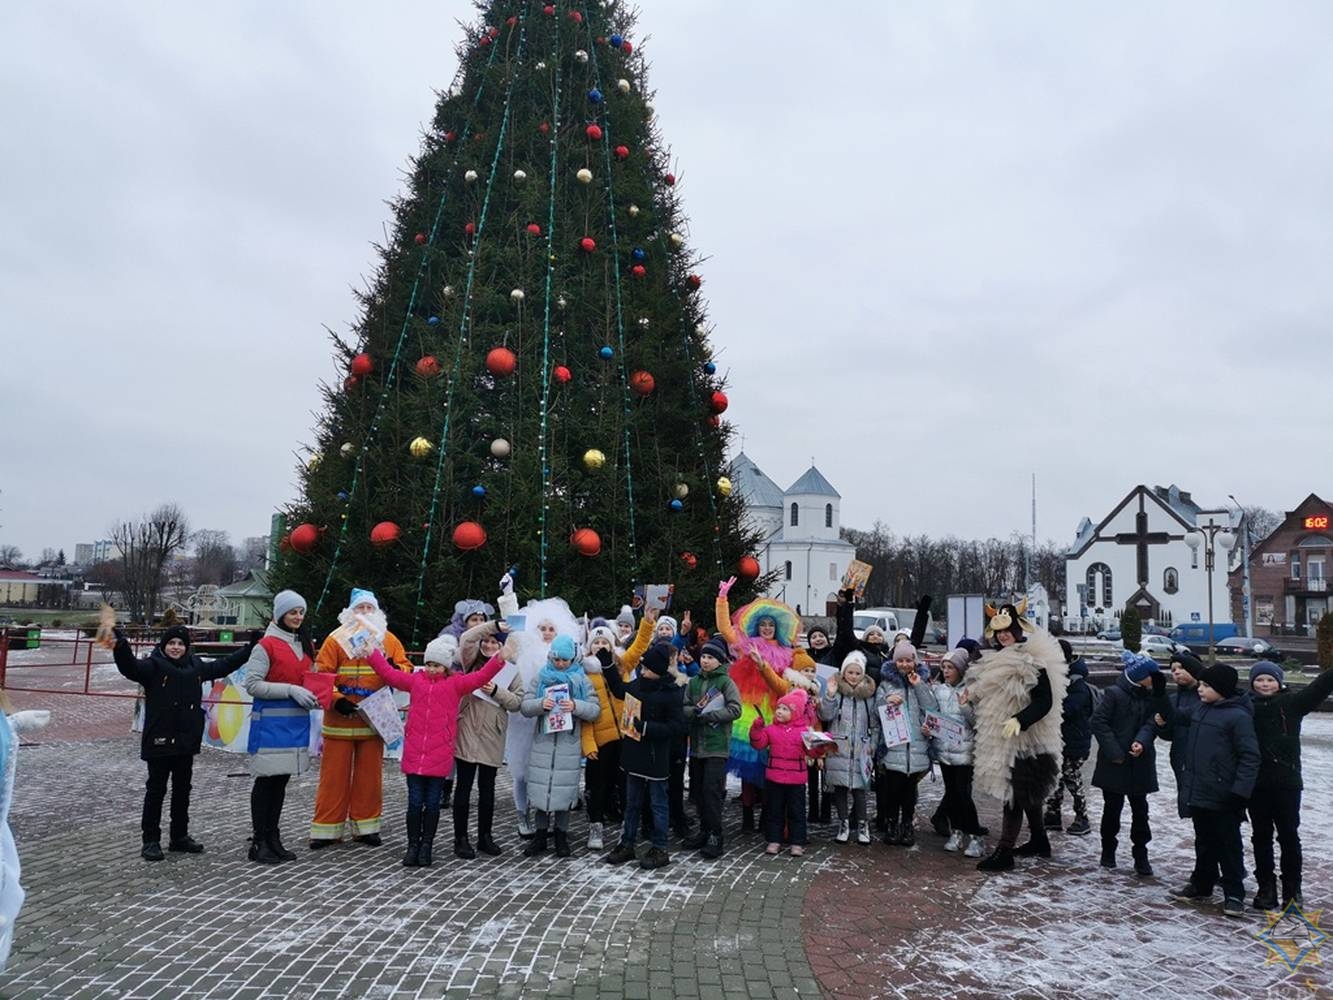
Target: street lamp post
(1247, 595)
(1211, 536)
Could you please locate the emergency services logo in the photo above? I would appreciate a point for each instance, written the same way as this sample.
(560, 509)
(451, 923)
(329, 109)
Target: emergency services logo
(1293, 937)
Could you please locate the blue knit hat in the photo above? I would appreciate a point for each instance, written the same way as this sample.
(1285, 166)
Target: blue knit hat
(1137, 666)
(1269, 668)
(360, 596)
(563, 648)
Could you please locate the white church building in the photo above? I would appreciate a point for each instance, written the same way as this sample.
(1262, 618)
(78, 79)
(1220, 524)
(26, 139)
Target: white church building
(801, 534)
(1139, 555)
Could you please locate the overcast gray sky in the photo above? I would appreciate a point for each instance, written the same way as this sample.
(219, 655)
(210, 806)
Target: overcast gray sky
(951, 244)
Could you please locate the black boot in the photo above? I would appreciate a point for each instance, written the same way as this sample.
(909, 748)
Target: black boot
(536, 846)
(1266, 898)
(747, 819)
(891, 833)
(275, 845)
(262, 851)
(1039, 846)
(447, 802)
(1141, 866)
(562, 844)
(412, 857)
(1000, 861)
(487, 845)
(713, 846)
(1291, 892)
(1109, 845)
(906, 834)
(274, 821)
(430, 822)
(695, 841)
(463, 847)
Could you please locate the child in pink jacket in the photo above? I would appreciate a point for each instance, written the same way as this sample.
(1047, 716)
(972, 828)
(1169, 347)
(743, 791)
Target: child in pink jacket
(785, 776)
(432, 722)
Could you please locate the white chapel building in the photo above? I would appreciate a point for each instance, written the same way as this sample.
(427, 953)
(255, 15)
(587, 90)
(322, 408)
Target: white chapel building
(1138, 556)
(801, 528)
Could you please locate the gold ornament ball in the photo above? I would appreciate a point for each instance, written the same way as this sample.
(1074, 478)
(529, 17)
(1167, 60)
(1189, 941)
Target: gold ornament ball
(420, 447)
(724, 486)
(677, 239)
(593, 459)
(500, 448)
(347, 450)
(634, 211)
(584, 176)
(681, 491)
(312, 463)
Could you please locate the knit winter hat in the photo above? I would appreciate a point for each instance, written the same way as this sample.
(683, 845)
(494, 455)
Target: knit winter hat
(360, 596)
(1269, 668)
(795, 699)
(1137, 666)
(626, 616)
(1221, 678)
(855, 656)
(972, 646)
(1067, 649)
(667, 620)
(716, 647)
(658, 658)
(873, 628)
(562, 648)
(1189, 661)
(442, 650)
(959, 659)
(801, 660)
(904, 650)
(813, 629)
(286, 600)
(176, 632)
(602, 632)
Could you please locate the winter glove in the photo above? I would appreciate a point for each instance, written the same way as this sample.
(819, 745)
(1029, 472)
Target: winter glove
(604, 657)
(302, 696)
(1158, 684)
(345, 707)
(1011, 729)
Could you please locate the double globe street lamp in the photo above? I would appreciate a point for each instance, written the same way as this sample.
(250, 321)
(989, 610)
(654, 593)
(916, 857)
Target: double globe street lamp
(1211, 536)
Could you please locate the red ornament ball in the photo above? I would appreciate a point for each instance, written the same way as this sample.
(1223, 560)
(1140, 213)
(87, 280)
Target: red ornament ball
(501, 361)
(428, 367)
(384, 533)
(689, 559)
(747, 568)
(622, 152)
(576, 16)
(717, 402)
(511, 21)
(469, 536)
(362, 365)
(671, 180)
(638, 270)
(350, 383)
(587, 244)
(303, 539)
(549, 10)
(715, 421)
(562, 374)
(493, 31)
(485, 40)
(586, 542)
(642, 383)
(534, 229)
(544, 127)
(450, 136)
(420, 238)
(694, 281)
(626, 46)
(285, 544)
(470, 229)
(593, 132)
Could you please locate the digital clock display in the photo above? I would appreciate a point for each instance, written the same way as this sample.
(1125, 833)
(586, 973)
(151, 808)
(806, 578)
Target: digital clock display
(1317, 522)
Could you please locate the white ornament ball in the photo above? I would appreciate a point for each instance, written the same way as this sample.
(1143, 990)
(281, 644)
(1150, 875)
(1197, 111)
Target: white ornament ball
(677, 239)
(500, 448)
(542, 64)
(681, 490)
(519, 177)
(447, 291)
(580, 56)
(643, 322)
(633, 211)
(561, 302)
(622, 85)
(312, 463)
(585, 176)
(516, 295)
(470, 176)
(347, 450)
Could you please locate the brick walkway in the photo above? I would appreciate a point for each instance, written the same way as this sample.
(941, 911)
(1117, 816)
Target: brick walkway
(351, 922)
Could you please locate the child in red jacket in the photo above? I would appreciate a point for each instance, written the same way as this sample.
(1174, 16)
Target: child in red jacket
(428, 743)
(785, 775)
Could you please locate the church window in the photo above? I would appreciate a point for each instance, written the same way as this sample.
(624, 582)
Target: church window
(828, 515)
(1295, 566)
(832, 571)
(787, 569)
(1105, 571)
(1171, 580)
(795, 515)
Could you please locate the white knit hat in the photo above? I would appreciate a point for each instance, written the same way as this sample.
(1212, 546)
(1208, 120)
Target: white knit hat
(442, 649)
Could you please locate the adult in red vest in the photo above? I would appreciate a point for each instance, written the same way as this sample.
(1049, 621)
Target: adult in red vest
(279, 720)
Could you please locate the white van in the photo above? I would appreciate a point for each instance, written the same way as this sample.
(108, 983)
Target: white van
(885, 618)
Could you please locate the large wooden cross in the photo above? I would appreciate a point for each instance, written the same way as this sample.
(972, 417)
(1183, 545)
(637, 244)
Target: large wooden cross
(1142, 537)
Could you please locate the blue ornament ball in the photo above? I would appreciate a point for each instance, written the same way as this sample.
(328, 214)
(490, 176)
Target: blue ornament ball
(595, 96)
(606, 354)
(676, 505)
(433, 320)
(342, 495)
(479, 491)
(710, 368)
(616, 41)
(639, 254)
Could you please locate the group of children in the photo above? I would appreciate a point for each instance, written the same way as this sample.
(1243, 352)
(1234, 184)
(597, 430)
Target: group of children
(614, 715)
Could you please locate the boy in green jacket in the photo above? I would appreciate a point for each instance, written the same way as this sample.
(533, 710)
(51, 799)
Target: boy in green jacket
(712, 704)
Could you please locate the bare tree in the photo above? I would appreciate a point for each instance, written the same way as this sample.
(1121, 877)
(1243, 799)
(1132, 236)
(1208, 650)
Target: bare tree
(10, 556)
(253, 553)
(145, 547)
(1263, 522)
(214, 558)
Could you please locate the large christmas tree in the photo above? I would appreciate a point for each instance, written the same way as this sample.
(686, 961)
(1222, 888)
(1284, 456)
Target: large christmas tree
(530, 382)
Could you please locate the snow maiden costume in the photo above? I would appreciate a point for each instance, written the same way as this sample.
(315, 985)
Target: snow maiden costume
(1018, 743)
(743, 632)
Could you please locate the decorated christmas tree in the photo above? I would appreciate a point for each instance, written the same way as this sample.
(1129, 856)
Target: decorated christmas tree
(530, 382)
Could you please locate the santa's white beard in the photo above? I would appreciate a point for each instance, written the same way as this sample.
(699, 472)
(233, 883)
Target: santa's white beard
(375, 620)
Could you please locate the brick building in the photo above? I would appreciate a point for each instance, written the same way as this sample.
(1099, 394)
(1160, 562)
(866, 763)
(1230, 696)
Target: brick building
(1289, 572)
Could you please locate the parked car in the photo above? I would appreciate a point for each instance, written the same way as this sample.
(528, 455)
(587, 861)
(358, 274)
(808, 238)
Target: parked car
(1160, 645)
(1196, 633)
(1109, 634)
(1240, 645)
(1150, 629)
(885, 618)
